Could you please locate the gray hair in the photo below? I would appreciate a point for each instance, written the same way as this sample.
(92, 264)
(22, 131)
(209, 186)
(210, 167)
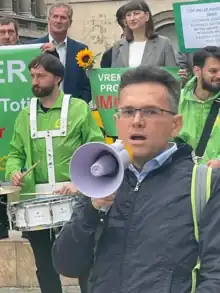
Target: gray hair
(62, 5)
(145, 74)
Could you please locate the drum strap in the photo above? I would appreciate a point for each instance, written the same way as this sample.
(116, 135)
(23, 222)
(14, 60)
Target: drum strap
(49, 134)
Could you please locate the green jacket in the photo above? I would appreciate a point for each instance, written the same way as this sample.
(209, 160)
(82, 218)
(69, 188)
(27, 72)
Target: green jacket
(195, 113)
(24, 151)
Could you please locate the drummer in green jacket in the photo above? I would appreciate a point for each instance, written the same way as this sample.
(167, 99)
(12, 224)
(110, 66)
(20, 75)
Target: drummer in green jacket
(50, 129)
(196, 101)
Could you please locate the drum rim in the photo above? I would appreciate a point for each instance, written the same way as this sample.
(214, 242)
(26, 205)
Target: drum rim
(44, 227)
(16, 207)
(45, 199)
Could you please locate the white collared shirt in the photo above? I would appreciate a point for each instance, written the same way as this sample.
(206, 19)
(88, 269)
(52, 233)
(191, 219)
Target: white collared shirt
(155, 163)
(61, 50)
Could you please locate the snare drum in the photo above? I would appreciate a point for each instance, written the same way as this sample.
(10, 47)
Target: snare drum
(40, 213)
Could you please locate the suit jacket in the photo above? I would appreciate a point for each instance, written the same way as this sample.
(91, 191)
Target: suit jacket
(106, 61)
(158, 52)
(76, 81)
(185, 61)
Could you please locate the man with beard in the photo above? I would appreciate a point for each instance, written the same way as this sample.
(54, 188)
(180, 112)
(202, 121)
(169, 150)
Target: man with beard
(9, 36)
(196, 102)
(67, 124)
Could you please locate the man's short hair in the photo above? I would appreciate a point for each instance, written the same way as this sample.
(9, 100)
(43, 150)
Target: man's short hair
(7, 20)
(62, 5)
(200, 57)
(50, 63)
(147, 74)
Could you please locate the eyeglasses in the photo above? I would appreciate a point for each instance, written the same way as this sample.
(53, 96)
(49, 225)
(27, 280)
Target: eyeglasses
(133, 13)
(127, 113)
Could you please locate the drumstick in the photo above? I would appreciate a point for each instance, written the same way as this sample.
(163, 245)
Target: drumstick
(39, 193)
(36, 194)
(30, 169)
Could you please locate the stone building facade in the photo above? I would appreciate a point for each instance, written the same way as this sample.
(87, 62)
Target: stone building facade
(94, 21)
(30, 15)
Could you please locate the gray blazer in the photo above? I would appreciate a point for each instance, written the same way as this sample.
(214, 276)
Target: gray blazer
(157, 52)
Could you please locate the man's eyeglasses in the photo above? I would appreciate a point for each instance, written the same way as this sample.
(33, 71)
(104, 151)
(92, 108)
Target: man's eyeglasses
(126, 113)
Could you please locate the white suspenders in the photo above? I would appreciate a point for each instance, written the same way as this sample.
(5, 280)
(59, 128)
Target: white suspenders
(49, 134)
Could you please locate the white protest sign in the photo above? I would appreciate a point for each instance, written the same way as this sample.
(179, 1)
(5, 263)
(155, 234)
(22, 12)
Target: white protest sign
(197, 24)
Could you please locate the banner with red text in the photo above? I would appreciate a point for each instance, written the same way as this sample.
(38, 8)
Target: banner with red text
(104, 85)
(15, 91)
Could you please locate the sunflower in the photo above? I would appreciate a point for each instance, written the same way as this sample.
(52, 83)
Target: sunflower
(85, 58)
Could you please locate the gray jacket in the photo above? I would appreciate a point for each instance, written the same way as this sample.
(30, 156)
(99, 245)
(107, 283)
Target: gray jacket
(157, 52)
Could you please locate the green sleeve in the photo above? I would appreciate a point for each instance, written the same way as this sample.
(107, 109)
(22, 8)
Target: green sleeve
(181, 138)
(16, 157)
(181, 100)
(90, 129)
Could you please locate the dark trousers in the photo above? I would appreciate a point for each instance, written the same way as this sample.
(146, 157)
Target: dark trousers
(83, 282)
(3, 217)
(41, 243)
(49, 281)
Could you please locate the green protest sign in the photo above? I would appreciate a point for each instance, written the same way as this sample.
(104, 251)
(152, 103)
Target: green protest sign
(197, 24)
(15, 91)
(104, 85)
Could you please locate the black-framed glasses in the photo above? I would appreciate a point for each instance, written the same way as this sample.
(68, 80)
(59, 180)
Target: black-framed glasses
(134, 13)
(149, 112)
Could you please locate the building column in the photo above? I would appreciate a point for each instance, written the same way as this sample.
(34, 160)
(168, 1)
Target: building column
(40, 8)
(6, 7)
(25, 8)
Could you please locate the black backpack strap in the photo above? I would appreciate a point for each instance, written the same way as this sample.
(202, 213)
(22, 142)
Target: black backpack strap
(208, 128)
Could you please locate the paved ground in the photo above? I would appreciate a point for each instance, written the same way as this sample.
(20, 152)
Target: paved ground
(74, 289)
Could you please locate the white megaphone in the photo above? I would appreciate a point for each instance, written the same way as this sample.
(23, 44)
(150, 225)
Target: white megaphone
(97, 169)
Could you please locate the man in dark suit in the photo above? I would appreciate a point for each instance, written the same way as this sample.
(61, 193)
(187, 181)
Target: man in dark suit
(75, 82)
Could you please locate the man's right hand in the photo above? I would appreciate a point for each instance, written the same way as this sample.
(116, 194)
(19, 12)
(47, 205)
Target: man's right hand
(48, 47)
(183, 73)
(105, 202)
(17, 179)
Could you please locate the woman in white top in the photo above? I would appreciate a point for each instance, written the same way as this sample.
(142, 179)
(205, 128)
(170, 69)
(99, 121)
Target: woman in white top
(141, 45)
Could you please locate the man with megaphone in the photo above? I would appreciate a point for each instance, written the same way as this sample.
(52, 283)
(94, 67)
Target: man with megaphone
(154, 234)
